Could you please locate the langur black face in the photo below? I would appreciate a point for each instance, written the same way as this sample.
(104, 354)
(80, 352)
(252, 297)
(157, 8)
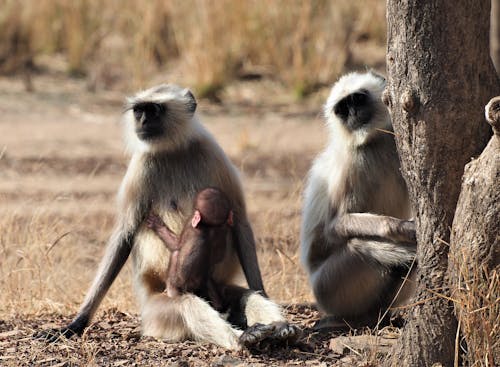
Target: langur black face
(149, 120)
(160, 118)
(355, 110)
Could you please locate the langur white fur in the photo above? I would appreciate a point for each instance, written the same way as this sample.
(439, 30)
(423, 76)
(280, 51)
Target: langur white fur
(357, 243)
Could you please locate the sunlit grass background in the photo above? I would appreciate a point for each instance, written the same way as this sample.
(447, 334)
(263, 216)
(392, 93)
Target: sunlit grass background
(207, 43)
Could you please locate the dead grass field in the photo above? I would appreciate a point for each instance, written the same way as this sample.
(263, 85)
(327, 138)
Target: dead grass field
(121, 43)
(61, 161)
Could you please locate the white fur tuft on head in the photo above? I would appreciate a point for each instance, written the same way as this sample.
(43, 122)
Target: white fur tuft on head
(370, 82)
(352, 82)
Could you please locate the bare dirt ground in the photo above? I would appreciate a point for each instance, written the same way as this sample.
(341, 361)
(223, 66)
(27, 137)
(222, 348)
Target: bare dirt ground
(61, 161)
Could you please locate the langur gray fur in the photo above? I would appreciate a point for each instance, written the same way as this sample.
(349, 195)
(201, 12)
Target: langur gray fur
(173, 157)
(357, 243)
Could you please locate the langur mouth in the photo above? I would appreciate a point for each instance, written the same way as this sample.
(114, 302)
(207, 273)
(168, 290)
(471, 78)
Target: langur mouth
(357, 124)
(149, 134)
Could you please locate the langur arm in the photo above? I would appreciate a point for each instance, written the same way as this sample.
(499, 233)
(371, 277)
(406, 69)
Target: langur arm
(154, 222)
(367, 225)
(245, 248)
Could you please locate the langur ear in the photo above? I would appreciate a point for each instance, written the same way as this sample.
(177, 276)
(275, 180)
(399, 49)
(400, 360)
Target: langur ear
(191, 100)
(196, 219)
(230, 218)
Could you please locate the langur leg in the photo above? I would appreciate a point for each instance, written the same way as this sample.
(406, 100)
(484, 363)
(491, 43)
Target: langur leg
(356, 286)
(347, 287)
(262, 318)
(172, 274)
(187, 316)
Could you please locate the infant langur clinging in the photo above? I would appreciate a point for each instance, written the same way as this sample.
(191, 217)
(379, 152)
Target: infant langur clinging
(356, 242)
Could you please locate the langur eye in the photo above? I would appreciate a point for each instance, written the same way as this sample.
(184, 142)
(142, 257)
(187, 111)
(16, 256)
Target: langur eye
(153, 109)
(138, 113)
(158, 109)
(359, 99)
(149, 109)
(341, 109)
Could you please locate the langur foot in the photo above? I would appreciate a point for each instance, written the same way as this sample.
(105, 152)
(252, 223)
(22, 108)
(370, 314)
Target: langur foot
(76, 327)
(274, 333)
(331, 323)
(54, 335)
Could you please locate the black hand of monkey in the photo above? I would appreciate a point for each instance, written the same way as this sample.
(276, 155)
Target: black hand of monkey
(406, 229)
(276, 332)
(53, 335)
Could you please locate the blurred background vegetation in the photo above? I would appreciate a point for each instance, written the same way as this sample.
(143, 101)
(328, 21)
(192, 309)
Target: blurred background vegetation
(206, 44)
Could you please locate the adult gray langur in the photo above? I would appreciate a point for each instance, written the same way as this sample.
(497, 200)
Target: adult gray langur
(173, 158)
(357, 242)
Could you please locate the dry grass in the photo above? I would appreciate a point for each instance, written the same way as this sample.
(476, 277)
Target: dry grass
(477, 304)
(48, 261)
(301, 43)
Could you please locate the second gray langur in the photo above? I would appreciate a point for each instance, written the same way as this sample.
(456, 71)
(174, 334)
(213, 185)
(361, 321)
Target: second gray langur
(357, 243)
(173, 158)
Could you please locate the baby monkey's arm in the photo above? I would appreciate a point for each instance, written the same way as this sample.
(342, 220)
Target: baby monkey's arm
(154, 222)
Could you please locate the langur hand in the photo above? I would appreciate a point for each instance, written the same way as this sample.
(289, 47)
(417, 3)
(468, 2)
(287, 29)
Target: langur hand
(154, 222)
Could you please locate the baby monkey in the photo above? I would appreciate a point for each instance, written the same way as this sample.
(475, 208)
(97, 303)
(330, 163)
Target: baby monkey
(194, 255)
(199, 247)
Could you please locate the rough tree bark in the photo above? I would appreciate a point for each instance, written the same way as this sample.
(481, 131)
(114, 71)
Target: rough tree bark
(440, 76)
(495, 34)
(475, 251)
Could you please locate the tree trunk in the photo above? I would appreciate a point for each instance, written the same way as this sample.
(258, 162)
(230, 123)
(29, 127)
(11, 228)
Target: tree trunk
(495, 34)
(475, 251)
(440, 75)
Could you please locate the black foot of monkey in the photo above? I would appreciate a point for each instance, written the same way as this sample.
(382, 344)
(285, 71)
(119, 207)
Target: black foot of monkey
(54, 335)
(276, 332)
